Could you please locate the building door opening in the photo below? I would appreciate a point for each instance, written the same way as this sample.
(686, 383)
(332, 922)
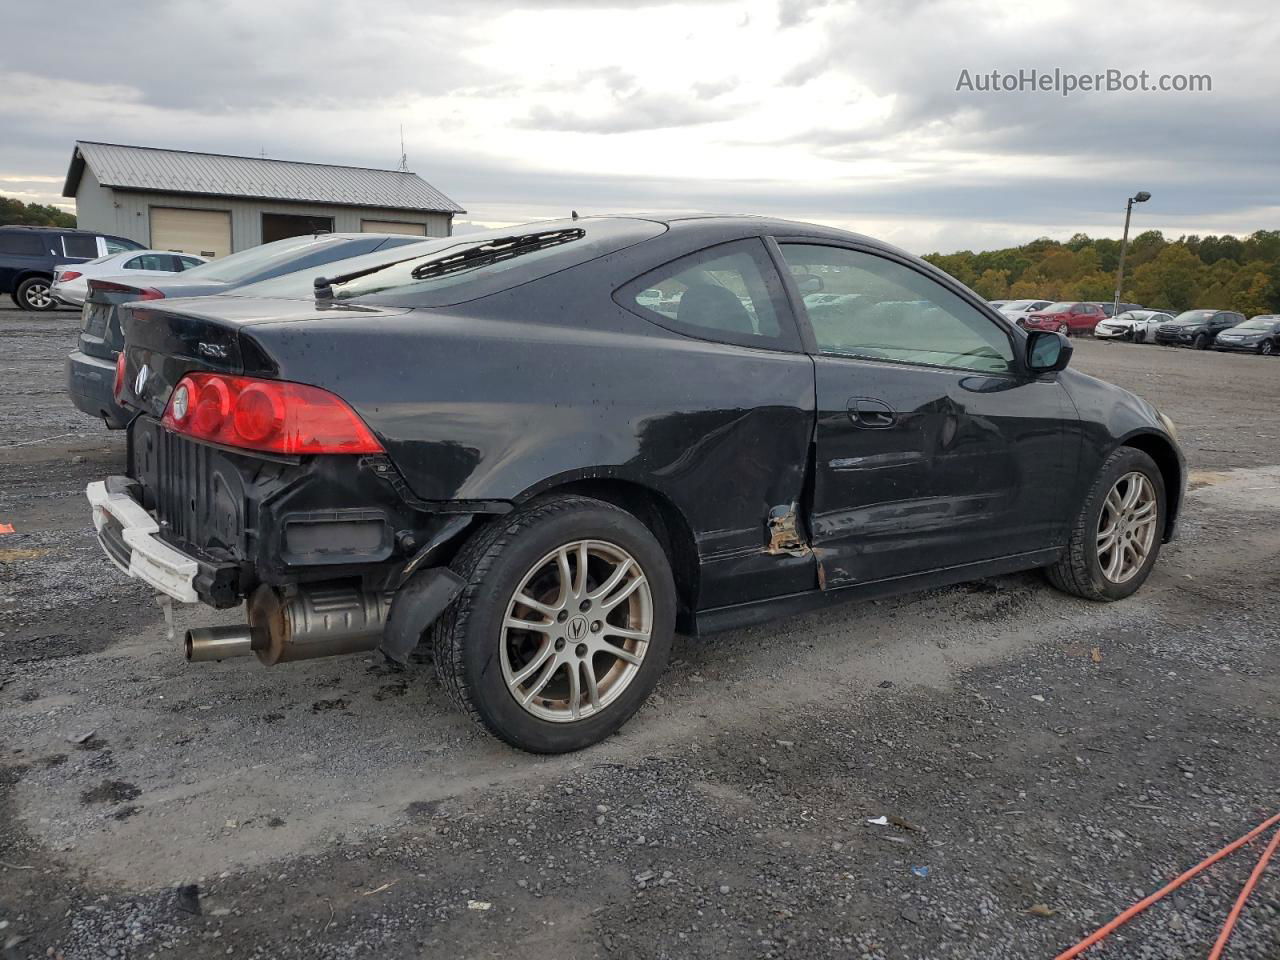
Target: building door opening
(278, 226)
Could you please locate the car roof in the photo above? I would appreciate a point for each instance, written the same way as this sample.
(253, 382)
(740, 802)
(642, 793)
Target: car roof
(48, 228)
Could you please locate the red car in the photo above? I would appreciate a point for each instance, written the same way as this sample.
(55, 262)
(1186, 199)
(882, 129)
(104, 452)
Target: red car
(1066, 318)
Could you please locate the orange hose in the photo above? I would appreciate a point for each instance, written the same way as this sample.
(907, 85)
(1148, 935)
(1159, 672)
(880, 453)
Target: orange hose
(1107, 929)
(1252, 882)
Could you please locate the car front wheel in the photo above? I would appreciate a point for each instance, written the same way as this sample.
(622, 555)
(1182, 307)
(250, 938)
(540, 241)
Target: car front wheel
(564, 627)
(1116, 537)
(1266, 348)
(1201, 341)
(33, 294)
(1064, 329)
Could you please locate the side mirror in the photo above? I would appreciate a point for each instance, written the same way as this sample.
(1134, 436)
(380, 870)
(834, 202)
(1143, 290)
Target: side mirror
(1047, 352)
(809, 284)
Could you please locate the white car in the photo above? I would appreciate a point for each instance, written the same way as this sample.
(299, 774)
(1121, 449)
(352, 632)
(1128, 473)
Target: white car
(71, 280)
(1019, 310)
(1138, 326)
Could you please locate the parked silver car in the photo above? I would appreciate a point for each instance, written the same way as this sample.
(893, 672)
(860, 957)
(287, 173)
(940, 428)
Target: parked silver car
(1137, 326)
(71, 280)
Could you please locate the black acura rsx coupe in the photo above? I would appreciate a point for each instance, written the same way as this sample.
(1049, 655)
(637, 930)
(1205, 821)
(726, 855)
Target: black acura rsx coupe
(546, 449)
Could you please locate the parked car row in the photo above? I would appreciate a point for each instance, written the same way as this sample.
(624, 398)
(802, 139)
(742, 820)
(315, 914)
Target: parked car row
(1201, 329)
(30, 257)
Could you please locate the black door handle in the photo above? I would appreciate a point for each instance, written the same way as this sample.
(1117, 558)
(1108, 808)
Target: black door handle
(871, 413)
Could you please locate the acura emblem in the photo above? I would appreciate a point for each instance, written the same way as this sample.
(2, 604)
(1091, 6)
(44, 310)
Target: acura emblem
(577, 628)
(140, 381)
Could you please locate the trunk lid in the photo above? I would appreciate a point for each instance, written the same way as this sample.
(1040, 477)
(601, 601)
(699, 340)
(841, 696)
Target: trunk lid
(171, 338)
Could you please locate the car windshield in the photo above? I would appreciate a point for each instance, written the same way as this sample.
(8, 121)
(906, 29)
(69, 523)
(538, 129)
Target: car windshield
(1058, 308)
(461, 268)
(246, 263)
(1132, 315)
(1258, 323)
(1018, 305)
(1193, 316)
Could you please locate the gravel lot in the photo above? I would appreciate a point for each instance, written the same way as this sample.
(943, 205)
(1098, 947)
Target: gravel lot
(1032, 750)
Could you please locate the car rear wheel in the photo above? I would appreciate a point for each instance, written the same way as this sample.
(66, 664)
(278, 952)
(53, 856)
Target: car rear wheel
(564, 626)
(33, 294)
(1116, 537)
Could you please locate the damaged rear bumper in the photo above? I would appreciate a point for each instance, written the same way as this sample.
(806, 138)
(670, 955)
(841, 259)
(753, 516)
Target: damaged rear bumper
(127, 534)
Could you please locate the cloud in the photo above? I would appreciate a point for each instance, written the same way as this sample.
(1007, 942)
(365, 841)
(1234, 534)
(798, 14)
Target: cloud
(838, 112)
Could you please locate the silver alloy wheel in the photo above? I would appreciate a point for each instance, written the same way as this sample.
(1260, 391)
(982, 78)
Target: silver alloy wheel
(1064, 329)
(37, 296)
(576, 630)
(1266, 348)
(1127, 527)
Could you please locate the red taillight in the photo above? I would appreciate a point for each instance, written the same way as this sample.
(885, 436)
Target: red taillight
(151, 293)
(68, 275)
(117, 389)
(269, 415)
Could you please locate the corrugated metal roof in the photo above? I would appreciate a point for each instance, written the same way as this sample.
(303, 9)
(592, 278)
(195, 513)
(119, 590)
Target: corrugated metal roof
(178, 171)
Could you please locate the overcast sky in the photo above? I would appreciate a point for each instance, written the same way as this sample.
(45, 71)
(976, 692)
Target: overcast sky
(845, 113)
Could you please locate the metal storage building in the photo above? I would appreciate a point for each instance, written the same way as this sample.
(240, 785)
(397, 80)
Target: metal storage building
(212, 204)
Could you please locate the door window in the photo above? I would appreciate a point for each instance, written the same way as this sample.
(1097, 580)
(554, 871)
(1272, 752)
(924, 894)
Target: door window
(728, 293)
(150, 261)
(115, 245)
(863, 305)
(79, 245)
(186, 263)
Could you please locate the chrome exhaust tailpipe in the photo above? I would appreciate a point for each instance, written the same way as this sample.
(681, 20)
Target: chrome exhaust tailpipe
(218, 643)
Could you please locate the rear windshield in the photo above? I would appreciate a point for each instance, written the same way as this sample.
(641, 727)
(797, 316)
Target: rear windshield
(246, 263)
(456, 269)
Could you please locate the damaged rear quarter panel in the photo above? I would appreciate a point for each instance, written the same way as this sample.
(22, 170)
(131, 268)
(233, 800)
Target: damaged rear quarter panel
(513, 394)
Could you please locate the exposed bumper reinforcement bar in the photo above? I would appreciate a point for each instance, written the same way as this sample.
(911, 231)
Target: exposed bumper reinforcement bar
(127, 534)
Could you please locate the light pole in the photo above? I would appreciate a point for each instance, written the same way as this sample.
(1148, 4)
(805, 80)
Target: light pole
(1140, 197)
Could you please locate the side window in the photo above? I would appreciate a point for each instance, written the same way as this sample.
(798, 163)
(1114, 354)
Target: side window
(883, 310)
(117, 246)
(150, 261)
(80, 245)
(729, 292)
(186, 263)
(22, 244)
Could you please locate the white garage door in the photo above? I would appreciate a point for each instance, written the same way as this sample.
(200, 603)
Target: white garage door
(206, 233)
(393, 226)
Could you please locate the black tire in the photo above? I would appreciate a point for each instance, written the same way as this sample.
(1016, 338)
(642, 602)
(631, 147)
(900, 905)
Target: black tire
(466, 638)
(1078, 571)
(33, 294)
(1201, 341)
(1267, 348)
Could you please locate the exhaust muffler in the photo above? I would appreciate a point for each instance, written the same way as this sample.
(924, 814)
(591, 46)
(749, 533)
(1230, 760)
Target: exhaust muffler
(323, 620)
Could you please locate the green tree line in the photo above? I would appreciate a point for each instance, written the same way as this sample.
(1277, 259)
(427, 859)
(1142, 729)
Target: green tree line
(1223, 273)
(34, 214)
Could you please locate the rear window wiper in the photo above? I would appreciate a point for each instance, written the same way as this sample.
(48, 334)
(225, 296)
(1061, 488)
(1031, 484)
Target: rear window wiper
(484, 254)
